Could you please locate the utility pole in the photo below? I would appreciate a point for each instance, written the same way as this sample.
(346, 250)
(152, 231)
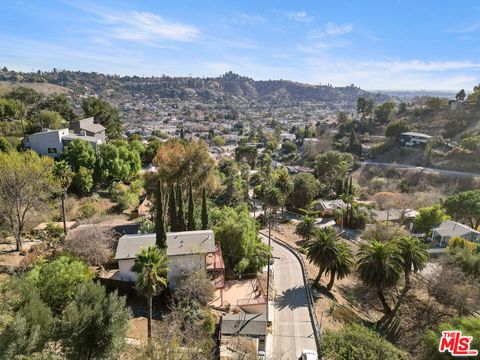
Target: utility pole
(268, 266)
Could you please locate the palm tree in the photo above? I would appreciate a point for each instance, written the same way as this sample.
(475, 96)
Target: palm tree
(322, 250)
(284, 183)
(341, 265)
(379, 266)
(151, 268)
(305, 227)
(414, 254)
(273, 199)
(63, 172)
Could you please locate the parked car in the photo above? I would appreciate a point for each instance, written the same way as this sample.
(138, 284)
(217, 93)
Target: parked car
(309, 355)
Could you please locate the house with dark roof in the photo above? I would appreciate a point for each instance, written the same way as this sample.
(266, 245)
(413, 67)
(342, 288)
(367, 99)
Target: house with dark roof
(88, 127)
(449, 229)
(187, 251)
(242, 325)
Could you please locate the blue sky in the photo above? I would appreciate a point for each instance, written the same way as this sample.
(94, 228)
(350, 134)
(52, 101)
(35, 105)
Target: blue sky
(374, 44)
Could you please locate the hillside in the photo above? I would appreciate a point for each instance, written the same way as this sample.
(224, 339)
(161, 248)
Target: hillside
(202, 89)
(43, 88)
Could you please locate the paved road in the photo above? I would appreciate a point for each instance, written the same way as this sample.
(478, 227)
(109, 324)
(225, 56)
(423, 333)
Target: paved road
(292, 328)
(405, 166)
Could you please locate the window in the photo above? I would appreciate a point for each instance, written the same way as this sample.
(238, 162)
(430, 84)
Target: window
(52, 150)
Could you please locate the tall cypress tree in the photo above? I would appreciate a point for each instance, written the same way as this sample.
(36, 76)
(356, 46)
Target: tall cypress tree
(191, 209)
(180, 213)
(161, 238)
(204, 210)
(350, 187)
(172, 210)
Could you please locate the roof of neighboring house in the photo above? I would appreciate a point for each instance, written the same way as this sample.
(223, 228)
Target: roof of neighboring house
(244, 324)
(411, 133)
(451, 228)
(130, 245)
(190, 242)
(332, 204)
(178, 243)
(93, 128)
(393, 214)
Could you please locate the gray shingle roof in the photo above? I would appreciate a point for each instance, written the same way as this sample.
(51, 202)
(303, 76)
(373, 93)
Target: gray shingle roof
(452, 228)
(244, 324)
(93, 128)
(130, 245)
(190, 242)
(178, 243)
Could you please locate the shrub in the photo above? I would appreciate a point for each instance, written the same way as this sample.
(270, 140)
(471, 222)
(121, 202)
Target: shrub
(88, 210)
(358, 342)
(93, 244)
(56, 281)
(127, 200)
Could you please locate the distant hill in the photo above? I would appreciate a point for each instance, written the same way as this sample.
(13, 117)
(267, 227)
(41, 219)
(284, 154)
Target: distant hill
(408, 95)
(229, 85)
(43, 88)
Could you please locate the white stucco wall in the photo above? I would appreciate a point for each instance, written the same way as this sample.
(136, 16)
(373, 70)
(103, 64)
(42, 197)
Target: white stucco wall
(176, 266)
(41, 142)
(184, 263)
(125, 270)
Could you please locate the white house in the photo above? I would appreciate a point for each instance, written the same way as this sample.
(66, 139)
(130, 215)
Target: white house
(53, 142)
(187, 251)
(413, 139)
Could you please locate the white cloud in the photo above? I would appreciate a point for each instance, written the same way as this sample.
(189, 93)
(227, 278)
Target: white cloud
(337, 30)
(248, 19)
(393, 73)
(464, 29)
(147, 26)
(332, 30)
(301, 16)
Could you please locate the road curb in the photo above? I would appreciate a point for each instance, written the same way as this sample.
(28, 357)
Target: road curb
(311, 305)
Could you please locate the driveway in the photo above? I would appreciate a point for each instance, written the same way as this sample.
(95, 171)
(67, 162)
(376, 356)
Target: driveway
(292, 328)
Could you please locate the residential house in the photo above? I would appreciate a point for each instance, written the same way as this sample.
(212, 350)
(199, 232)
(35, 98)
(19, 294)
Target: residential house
(448, 229)
(187, 251)
(88, 127)
(413, 139)
(331, 205)
(53, 142)
(394, 215)
(249, 327)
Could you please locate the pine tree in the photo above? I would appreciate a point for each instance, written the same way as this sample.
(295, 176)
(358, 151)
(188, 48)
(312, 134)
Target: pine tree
(172, 210)
(191, 209)
(161, 238)
(180, 213)
(204, 210)
(353, 140)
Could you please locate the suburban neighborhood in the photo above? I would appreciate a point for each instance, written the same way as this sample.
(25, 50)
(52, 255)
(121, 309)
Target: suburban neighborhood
(206, 181)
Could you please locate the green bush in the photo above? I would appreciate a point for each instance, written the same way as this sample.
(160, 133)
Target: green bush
(127, 200)
(57, 280)
(359, 343)
(88, 210)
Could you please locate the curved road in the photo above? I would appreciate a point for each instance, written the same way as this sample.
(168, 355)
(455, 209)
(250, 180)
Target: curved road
(292, 327)
(405, 166)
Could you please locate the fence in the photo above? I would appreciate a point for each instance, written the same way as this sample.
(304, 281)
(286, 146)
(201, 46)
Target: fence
(311, 304)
